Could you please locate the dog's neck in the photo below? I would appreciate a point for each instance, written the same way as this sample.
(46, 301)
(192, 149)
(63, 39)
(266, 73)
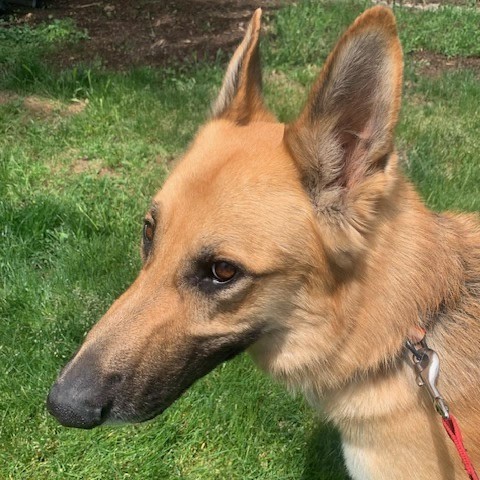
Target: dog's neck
(372, 314)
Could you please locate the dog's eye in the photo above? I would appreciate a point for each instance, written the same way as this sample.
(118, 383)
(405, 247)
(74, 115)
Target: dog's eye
(212, 276)
(223, 272)
(148, 231)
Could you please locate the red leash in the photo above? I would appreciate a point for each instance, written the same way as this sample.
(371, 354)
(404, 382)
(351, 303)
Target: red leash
(427, 366)
(453, 430)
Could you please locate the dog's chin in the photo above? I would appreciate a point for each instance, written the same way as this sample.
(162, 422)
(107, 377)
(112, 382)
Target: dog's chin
(122, 422)
(119, 419)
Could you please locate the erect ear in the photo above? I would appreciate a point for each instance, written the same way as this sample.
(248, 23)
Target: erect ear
(240, 98)
(343, 139)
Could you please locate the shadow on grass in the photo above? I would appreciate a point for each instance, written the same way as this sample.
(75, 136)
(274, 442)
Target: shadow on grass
(323, 458)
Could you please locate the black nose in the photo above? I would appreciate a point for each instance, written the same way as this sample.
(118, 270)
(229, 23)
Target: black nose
(72, 408)
(82, 397)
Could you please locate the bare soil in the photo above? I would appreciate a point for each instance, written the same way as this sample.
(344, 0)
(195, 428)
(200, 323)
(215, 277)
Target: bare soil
(434, 64)
(124, 33)
(41, 107)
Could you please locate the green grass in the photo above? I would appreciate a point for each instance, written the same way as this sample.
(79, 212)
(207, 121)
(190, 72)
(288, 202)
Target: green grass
(73, 190)
(450, 30)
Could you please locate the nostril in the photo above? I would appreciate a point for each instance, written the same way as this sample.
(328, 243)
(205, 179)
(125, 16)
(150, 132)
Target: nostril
(105, 411)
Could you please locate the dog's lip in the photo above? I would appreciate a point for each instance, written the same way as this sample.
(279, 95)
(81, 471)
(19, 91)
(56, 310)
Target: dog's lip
(120, 420)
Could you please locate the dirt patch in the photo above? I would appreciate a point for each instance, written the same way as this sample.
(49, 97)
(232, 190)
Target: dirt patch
(85, 165)
(82, 165)
(76, 107)
(434, 64)
(123, 34)
(40, 107)
(45, 107)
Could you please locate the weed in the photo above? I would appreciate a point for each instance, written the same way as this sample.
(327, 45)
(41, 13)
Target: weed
(55, 32)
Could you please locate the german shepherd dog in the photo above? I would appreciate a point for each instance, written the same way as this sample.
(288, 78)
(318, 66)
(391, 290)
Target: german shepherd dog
(305, 245)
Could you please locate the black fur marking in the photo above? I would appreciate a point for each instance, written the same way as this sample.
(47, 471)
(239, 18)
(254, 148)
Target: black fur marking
(194, 360)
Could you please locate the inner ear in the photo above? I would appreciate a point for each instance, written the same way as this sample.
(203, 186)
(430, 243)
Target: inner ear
(346, 127)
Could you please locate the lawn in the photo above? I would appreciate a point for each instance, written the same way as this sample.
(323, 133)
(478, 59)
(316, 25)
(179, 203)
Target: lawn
(82, 151)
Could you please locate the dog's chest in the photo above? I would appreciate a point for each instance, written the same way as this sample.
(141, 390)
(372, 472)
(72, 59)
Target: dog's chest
(389, 430)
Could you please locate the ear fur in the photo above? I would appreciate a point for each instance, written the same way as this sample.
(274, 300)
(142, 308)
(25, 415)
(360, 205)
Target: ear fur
(240, 98)
(343, 139)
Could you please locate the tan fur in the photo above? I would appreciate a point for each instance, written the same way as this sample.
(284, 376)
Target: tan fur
(342, 261)
(240, 98)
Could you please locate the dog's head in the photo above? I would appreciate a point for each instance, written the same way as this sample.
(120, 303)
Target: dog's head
(251, 239)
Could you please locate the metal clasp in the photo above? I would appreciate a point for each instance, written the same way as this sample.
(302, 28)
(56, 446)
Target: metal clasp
(427, 366)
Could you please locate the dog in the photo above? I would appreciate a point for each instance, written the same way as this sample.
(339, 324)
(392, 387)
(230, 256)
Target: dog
(305, 245)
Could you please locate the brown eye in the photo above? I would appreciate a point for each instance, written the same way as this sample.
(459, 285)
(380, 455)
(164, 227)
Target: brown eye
(148, 231)
(223, 271)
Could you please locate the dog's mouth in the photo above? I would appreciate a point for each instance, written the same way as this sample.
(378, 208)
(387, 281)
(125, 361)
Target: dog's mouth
(84, 397)
(112, 417)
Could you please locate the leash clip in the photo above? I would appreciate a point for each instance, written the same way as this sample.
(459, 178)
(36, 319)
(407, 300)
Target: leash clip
(427, 366)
